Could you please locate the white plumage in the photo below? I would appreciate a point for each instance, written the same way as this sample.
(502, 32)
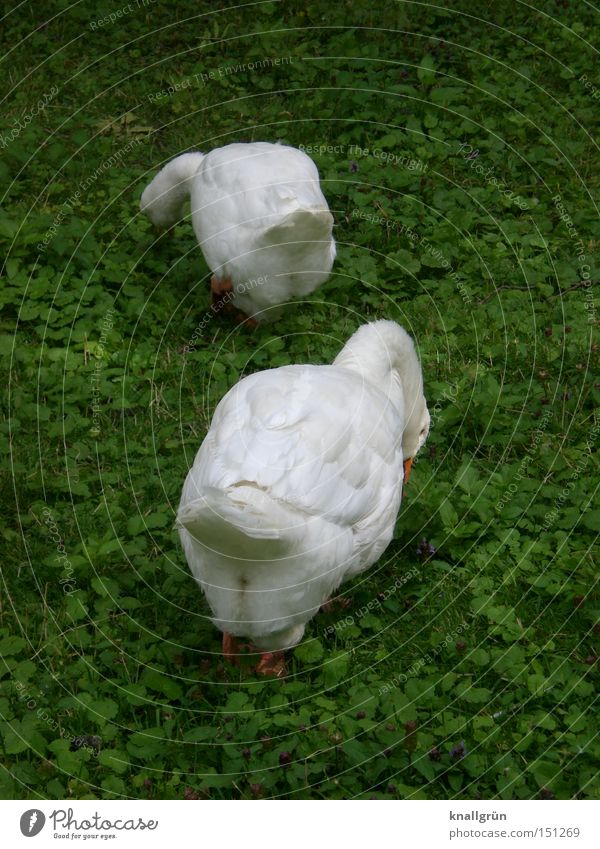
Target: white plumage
(260, 218)
(297, 485)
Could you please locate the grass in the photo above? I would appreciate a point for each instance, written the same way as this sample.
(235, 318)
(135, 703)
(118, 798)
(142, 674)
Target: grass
(458, 156)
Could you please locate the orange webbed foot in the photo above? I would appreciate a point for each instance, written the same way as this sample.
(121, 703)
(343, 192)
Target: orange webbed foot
(271, 664)
(242, 318)
(233, 650)
(220, 288)
(336, 603)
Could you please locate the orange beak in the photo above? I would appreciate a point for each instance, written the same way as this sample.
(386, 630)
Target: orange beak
(407, 467)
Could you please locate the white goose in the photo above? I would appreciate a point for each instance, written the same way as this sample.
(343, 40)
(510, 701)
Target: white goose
(297, 486)
(260, 218)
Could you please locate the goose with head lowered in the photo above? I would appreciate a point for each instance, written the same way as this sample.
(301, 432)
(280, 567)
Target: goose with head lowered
(297, 486)
(260, 218)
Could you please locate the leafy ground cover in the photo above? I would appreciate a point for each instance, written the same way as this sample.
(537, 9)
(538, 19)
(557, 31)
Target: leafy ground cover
(458, 150)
